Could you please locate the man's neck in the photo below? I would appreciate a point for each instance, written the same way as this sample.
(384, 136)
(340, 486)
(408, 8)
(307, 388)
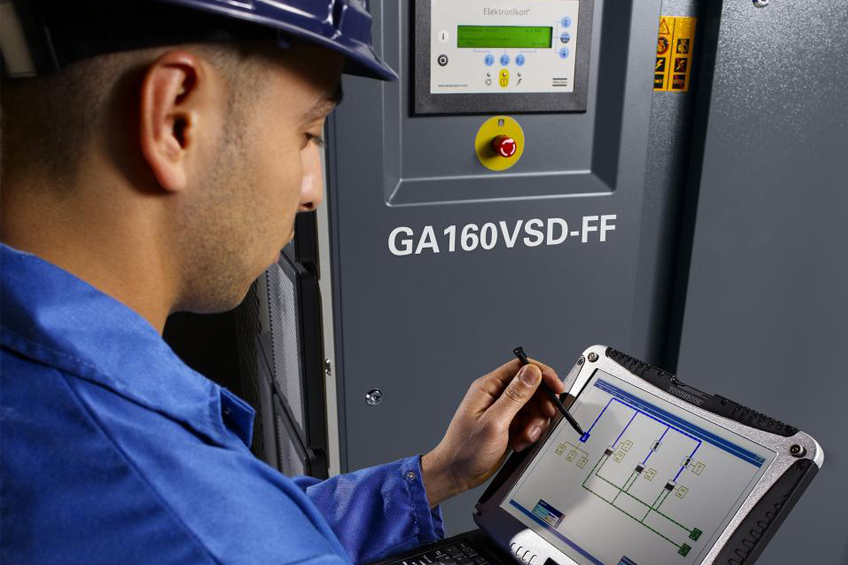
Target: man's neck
(114, 249)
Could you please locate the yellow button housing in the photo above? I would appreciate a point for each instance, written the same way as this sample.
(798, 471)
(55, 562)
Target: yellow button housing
(491, 129)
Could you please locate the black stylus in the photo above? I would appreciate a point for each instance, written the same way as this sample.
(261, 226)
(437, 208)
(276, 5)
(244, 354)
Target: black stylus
(519, 352)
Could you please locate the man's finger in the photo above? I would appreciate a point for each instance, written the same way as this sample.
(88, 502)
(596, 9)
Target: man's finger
(548, 408)
(551, 378)
(529, 433)
(516, 394)
(489, 388)
(506, 372)
(541, 404)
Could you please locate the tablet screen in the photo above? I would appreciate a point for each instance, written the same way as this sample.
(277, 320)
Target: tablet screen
(647, 484)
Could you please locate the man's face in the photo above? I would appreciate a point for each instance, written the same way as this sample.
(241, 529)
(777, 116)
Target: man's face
(266, 170)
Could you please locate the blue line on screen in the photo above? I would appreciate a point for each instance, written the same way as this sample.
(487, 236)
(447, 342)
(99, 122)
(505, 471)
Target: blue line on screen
(675, 421)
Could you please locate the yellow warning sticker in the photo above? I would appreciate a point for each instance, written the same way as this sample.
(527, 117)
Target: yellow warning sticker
(675, 41)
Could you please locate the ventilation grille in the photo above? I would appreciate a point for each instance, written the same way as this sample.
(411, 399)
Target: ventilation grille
(284, 322)
(247, 332)
(290, 462)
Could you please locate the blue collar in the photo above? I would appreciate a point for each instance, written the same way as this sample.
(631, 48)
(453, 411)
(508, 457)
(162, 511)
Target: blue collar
(54, 318)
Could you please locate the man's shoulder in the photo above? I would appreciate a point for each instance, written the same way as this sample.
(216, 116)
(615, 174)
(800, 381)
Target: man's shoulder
(61, 479)
(87, 475)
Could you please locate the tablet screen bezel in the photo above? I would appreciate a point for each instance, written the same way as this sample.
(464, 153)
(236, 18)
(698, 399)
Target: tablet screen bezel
(514, 536)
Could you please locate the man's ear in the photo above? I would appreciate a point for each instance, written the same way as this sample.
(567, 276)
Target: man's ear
(173, 96)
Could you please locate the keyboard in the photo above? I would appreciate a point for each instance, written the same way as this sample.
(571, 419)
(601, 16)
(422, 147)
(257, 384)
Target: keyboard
(462, 553)
(465, 549)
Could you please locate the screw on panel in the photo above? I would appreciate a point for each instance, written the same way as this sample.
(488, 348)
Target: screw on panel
(593, 357)
(797, 451)
(581, 360)
(374, 397)
(761, 3)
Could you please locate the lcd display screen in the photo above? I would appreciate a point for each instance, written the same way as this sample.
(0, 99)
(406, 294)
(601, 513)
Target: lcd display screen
(647, 484)
(503, 37)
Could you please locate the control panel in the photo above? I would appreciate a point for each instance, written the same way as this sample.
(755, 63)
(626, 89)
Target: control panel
(480, 47)
(483, 56)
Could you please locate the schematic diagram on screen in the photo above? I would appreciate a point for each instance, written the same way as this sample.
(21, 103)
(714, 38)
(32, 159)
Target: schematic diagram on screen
(641, 468)
(648, 483)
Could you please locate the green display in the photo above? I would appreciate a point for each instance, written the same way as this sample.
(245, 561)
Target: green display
(495, 37)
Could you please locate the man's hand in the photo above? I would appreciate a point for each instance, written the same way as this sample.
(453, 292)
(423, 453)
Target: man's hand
(501, 410)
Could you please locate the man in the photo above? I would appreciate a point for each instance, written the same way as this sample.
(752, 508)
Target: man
(159, 171)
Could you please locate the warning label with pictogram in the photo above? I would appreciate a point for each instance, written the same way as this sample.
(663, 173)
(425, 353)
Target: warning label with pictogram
(675, 43)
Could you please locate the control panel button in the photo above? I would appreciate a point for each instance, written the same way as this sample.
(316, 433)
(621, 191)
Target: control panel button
(504, 60)
(566, 21)
(489, 60)
(442, 60)
(563, 53)
(503, 78)
(519, 60)
(490, 149)
(504, 146)
(565, 37)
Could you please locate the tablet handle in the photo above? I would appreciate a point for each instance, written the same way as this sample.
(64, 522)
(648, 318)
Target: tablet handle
(713, 403)
(757, 528)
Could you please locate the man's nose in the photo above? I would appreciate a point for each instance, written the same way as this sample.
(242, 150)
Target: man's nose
(312, 189)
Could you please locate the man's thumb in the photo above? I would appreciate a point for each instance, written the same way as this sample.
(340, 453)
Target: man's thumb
(518, 392)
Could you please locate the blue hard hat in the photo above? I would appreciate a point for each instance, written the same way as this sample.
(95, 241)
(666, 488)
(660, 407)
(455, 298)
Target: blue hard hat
(340, 25)
(59, 32)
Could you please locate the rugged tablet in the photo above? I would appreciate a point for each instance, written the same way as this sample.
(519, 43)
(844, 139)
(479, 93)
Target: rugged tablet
(665, 474)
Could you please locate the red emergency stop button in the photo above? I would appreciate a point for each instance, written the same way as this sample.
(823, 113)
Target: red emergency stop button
(504, 146)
